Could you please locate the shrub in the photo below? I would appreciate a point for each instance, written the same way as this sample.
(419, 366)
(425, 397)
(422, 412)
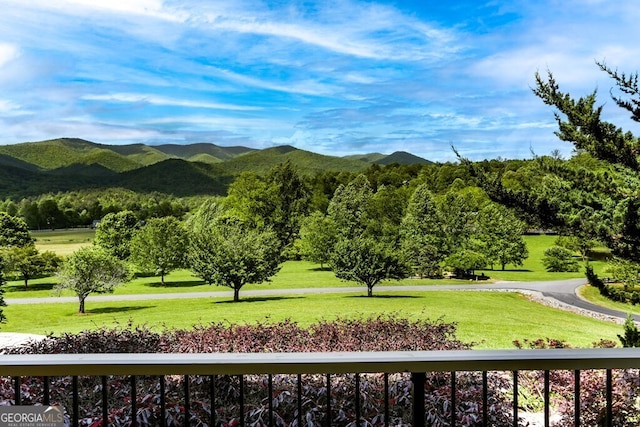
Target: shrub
(383, 332)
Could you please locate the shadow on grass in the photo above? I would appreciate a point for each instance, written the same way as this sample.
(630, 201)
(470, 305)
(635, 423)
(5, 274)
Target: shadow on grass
(383, 296)
(184, 284)
(510, 270)
(256, 299)
(107, 310)
(320, 269)
(32, 287)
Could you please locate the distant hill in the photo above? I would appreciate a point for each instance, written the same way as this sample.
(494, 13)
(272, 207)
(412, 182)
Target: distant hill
(402, 158)
(307, 162)
(203, 151)
(68, 164)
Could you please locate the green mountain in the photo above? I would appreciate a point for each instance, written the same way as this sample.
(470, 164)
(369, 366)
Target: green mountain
(402, 158)
(208, 153)
(58, 153)
(307, 162)
(67, 164)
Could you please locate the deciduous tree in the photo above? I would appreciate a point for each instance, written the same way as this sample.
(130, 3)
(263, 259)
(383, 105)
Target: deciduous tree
(115, 231)
(160, 246)
(30, 263)
(227, 253)
(91, 270)
(368, 261)
(318, 236)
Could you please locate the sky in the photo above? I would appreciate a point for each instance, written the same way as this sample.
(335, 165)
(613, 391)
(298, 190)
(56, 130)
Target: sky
(335, 77)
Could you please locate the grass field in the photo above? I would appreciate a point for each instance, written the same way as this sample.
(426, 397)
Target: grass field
(593, 295)
(63, 242)
(493, 320)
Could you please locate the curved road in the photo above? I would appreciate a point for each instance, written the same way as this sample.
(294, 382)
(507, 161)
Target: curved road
(563, 292)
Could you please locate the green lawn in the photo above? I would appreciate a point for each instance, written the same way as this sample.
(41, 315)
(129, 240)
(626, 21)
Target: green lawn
(493, 320)
(593, 295)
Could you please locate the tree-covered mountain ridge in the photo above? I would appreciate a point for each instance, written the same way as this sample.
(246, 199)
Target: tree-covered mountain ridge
(67, 164)
(64, 152)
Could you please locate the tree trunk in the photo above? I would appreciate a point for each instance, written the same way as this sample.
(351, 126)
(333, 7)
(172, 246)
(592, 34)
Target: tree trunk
(26, 282)
(236, 294)
(162, 278)
(369, 290)
(81, 306)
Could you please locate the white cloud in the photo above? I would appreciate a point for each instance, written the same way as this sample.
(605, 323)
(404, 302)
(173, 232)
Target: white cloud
(160, 100)
(8, 52)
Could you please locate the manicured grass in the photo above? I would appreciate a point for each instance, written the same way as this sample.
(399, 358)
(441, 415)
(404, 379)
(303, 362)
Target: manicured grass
(533, 269)
(493, 320)
(63, 242)
(293, 275)
(592, 294)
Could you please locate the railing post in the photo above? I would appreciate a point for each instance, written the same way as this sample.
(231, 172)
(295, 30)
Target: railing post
(105, 402)
(418, 379)
(17, 396)
(576, 398)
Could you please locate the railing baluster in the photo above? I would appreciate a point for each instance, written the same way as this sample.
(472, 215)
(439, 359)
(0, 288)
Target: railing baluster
(576, 398)
(418, 379)
(386, 400)
(453, 398)
(105, 402)
(241, 400)
(134, 398)
(270, 386)
(328, 400)
(17, 396)
(299, 401)
(609, 398)
(212, 399)
(187, 402)
(75, 401)
(515, 398)
(546, 398)
(163, 402)
(357, 400)
(46, 391)
(485, 399)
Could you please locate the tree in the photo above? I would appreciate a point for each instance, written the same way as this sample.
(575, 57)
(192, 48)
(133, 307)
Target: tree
(318, 236)
(349, 207)
(13, 231)
(500, 234)
(160, 246)
(421, 233)
(368, 261)
(465, 262)
(631, 337)
(581, 244)
(580, 122)
(625, 272)
(29, 263)
(91, 270)
(227, 253)
(557, 259)
(290, 197)
(115, 231)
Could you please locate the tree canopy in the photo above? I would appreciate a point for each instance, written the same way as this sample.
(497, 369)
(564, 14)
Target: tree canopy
(91, 270)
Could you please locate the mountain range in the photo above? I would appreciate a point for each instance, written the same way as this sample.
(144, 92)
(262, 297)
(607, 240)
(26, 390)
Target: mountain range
(66, 164)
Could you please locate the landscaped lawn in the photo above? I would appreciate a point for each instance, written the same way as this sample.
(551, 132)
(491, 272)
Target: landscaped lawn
(592, 294)
(493, 319)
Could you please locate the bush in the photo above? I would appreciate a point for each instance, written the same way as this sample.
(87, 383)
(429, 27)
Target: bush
(559, 259)
(384, 332)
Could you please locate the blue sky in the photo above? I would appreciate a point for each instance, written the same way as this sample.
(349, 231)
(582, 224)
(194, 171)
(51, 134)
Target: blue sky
(335, 77)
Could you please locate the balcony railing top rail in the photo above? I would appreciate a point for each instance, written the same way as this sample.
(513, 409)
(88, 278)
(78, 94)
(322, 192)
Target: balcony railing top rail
(316, 363)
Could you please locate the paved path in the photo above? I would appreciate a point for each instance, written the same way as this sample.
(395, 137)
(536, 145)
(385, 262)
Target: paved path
(561, 292)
